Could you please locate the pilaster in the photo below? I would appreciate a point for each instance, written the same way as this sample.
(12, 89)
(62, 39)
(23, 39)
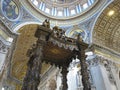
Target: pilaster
(103, 73)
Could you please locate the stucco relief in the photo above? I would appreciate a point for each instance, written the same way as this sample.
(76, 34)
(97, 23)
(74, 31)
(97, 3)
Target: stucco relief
(109, 72)
(10, 9)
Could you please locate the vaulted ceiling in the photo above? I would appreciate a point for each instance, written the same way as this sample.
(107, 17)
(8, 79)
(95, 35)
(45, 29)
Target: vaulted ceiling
(106, 31)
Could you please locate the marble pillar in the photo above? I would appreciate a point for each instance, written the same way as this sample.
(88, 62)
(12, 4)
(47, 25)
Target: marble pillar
(101, 72)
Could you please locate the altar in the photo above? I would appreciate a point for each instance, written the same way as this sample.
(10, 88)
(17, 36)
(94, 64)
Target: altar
(55, 48)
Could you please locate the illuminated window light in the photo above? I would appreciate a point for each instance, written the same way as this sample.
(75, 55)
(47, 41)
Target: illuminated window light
(3, 88)
(85, 6)
(10, 39)
(89, 53)
(60, 13)
(92, 1)
(111, 12)
(73, 12)
(35, 3)
(47, 10)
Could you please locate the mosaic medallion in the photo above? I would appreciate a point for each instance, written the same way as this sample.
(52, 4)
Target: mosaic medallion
(10, 9)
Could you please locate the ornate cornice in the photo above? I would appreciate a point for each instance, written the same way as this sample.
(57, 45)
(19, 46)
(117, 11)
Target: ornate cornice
(99, 60)
(105, 52)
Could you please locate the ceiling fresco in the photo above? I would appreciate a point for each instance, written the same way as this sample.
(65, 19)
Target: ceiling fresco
(10, 9)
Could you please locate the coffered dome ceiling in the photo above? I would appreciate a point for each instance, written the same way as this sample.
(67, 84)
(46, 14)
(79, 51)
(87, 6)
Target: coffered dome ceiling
(107, 28)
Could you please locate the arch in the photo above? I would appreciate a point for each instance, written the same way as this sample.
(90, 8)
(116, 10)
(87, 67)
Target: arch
(106, 29)
(23, 42)
(97, 16)
(15, 29)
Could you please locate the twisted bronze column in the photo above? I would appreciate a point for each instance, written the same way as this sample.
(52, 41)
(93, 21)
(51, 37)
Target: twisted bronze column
(32, 78)
(84, 71)
(82, 57)
(64, 77)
